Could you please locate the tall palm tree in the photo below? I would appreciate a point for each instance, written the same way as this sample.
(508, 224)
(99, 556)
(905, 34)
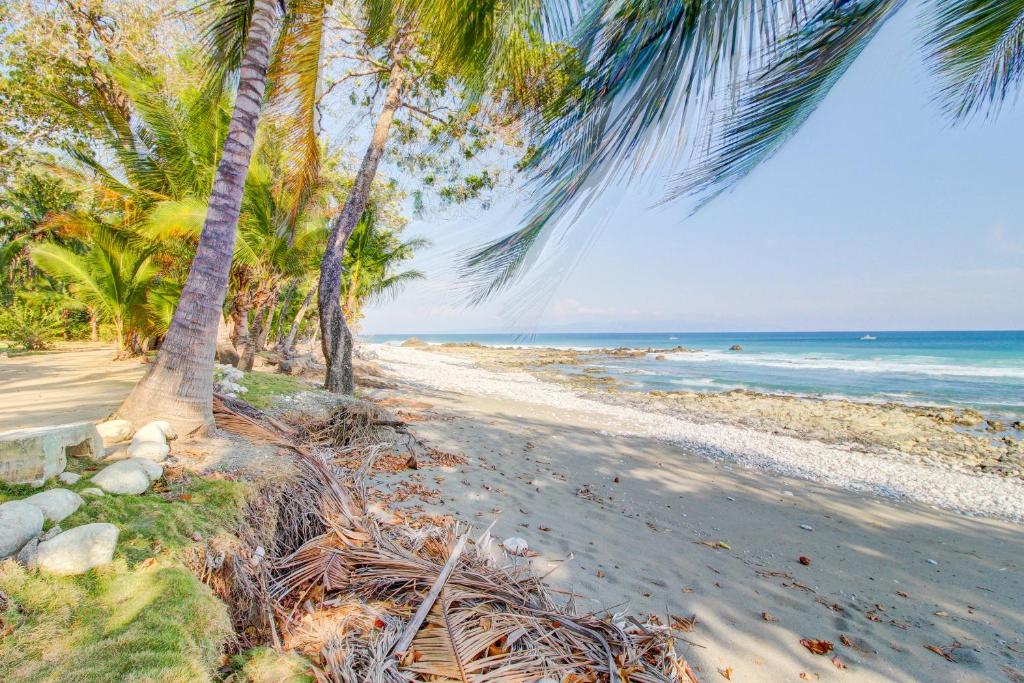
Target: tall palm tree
(178, 386)
(756, 68)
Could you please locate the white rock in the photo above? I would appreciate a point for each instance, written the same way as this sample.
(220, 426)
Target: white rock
(125, 477)
(515, 546)
(31, 456)
(154, 451)
(56, 504)
(115, 431)
(158, 430)
(91, 491)
(78, 550)
(807, 527)
(19, 523)
(152, 469)
(68, 477)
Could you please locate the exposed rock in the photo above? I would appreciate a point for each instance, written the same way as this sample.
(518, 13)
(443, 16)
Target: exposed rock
(92, 492)
(154, 451)
(50, 533)
(152, 469)
(124, 477)
(56, 504)
(19, 523)
(735, 347)
(78, 550)
(415, 342)
(28, 554)
(300, 365)
(115, 431)
(660, 356)
(159, 431)
(68, 477)
(35, 455)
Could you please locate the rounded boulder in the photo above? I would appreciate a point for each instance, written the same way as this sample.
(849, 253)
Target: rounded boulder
(19, 524)
(125, 477)
(55, 504)
(78, 550)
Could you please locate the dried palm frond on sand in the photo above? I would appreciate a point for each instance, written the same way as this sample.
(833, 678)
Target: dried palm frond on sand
(367, 601)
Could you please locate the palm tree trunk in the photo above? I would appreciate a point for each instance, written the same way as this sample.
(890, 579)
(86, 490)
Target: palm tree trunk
(289, 293)
(94, 325)
(336, 338)
(263, 324)
(179, 384)
(242, 339)
(289, 342)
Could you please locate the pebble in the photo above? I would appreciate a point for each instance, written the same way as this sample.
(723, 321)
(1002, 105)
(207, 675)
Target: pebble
(932, 562)
(807, 527)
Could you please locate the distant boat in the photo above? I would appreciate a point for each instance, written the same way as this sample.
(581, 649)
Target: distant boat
(868, 337)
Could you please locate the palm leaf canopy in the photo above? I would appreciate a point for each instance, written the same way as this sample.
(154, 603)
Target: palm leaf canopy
(760, 67)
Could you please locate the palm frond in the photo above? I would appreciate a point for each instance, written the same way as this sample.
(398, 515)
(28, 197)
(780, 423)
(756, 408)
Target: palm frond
(976, 48)
(778, 101)
(650, 63)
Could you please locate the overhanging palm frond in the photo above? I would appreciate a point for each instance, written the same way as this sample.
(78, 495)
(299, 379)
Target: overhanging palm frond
(650, 64)
(976, 48)
(779, 100)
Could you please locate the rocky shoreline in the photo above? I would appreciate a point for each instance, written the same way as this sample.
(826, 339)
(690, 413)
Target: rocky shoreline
(960, 438)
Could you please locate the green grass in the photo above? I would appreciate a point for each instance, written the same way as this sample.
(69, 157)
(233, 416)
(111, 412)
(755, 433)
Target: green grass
(264, 386)
(264, 665)
(131, 620)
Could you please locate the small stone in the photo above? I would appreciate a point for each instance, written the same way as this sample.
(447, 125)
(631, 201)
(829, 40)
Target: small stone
(153, 470)
(807, 527)
(92, 492)
(68, 477)
(51, 532)
(788, 493)
(28, 554)
(115, 431)
(160, 431)
(124, 477)
(931, 562)
(515, 546)
(56, 504)
(19, 523)
(78, 550)
(155, 451)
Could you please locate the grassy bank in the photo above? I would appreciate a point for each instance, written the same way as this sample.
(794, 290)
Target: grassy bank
(145, 617)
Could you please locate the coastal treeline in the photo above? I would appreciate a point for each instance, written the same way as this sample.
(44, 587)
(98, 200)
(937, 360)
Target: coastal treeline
(177, 175)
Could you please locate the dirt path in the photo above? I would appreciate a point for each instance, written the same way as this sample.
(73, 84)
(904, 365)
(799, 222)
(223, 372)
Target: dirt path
(76, 383)
(636, 522)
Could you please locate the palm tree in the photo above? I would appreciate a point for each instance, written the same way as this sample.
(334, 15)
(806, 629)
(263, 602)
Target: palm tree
(178, 386)
(764, 65)
(118, 278)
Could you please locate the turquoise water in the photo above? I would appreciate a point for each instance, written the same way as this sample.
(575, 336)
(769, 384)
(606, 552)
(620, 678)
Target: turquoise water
(984, 370)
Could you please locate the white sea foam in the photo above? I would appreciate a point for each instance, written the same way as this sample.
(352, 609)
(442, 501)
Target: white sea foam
(918, 365)
(843, 467)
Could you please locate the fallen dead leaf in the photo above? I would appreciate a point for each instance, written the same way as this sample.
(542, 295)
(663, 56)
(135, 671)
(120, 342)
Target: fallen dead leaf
(805, 561)
(838, 663)
(684, 624)
(147, 563)
(818, 647)
(716, 544)
(726, 673)
(902, 594)
(946, 652)
(768, 616)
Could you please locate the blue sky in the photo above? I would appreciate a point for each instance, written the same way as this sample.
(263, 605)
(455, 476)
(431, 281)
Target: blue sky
(878, 215)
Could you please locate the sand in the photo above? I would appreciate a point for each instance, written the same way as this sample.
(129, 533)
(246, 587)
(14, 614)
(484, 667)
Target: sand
(78, 382)
(626, 518)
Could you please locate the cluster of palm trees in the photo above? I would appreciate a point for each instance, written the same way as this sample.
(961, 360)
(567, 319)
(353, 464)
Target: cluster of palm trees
(598, 86)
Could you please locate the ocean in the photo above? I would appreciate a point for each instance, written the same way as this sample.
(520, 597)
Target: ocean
(982, 370)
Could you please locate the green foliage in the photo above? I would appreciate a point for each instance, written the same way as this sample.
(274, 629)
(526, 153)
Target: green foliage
(31, 327)
(265, 665)
(264, 387)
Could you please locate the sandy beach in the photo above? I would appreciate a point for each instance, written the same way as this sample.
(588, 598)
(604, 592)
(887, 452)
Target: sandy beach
(910, 567)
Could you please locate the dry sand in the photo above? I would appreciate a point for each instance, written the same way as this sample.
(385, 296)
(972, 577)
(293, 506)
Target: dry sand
(76, 383)
(656, 527)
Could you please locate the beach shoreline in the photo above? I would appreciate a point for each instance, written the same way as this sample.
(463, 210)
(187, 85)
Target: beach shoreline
(623, 511)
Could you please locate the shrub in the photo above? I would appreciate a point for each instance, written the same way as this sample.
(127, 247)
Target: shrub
(31, 327)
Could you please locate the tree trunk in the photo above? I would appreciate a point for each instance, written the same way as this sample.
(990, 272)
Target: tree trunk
(262, 325)
(289, 293)
(94, 326)
(226, 353)
(336, 338)
(179, 384)
(289, 342)
(242, 338)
